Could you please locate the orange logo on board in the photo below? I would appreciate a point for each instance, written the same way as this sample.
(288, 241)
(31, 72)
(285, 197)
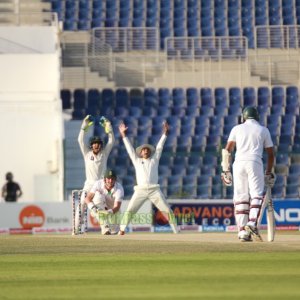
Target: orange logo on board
(31, 216)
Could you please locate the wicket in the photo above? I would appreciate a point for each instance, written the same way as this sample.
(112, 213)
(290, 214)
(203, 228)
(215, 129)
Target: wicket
(75, 199)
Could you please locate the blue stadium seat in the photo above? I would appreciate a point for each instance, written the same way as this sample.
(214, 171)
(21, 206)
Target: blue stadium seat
(221, 97)
(183, 143)
(201, 129)
(150, 97)
(187, 129)
(178, 95)
(144, 125)
(107, 101)
(230, 120)
(292, 97)
(294, 169)
(263, 96)
(79, 99)
(209, 160)
(274, 119)
(164, 97)
(78, 114)
(292, 191)
(136, 98)
(204, 192)
(192, 97)
(175, 180)
(282, 158)
(70, 4)
(122, 98)
(215, 120)
(235, 97)
(198, 143)
(206, 97)
(166, 159)
(65, 95)
(70, 25)
(249, 96)
(135, 111)
(234, 110)
(278, 191)
(83, 24)
(292, 179)
(207, 170)
(93, 99)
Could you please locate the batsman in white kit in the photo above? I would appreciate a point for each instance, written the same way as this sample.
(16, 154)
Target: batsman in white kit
(95, 158)
(145, 160)
(250, 139)
(104, 201)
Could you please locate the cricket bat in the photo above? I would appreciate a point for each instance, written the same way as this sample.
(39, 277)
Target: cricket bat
(270, 215)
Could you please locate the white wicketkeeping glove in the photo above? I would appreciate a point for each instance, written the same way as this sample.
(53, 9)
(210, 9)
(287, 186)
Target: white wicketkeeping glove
(227, 178)
(270, 179)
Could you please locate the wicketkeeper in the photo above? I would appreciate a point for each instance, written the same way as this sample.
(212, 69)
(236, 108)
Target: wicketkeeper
(95, 157)
(250, 139)
(104, 201)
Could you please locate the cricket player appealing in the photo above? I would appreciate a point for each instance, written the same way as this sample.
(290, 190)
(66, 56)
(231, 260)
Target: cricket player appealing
(104, 200)
(95, 159)
(145, 160)
(250, 139)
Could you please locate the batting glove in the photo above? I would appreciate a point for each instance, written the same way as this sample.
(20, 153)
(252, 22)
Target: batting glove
(270, 179)
(227, 178)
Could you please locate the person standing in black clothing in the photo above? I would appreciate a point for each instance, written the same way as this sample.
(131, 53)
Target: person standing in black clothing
(11, 190)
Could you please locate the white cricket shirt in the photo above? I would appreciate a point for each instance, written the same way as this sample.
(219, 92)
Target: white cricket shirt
(116, 194)
(95, 165)
(146, 170)
(251, 138)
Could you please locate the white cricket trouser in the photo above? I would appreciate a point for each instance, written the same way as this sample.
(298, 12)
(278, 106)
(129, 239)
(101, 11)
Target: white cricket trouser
(107, 222)
(140, 195)
(248, 190)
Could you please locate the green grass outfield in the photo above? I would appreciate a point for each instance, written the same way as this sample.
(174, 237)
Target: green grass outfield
(149, 266)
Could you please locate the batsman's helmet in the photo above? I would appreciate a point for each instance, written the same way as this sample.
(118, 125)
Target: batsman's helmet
(110, 174)
(9, 176)
(95, 139)
(250, 112)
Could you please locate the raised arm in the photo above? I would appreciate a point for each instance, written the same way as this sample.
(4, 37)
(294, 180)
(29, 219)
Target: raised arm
(86, 123)
(161, 142)
(111, 137)
(128, 146)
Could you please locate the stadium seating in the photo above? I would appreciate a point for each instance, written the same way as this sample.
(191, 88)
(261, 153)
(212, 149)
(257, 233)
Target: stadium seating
(183, 18)
(200, 117)
(192, 149)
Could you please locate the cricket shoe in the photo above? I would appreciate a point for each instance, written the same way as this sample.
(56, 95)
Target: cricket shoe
(253, 231)
(107, 232)
(121, 232)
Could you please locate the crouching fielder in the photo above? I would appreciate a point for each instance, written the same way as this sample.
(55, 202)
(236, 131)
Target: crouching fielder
(250, 139)
(104, 200)
(145, 160)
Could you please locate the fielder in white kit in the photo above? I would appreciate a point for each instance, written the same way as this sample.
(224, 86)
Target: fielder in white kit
(250, 140)
(95, 159)
(104, 201)
(145, 160)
